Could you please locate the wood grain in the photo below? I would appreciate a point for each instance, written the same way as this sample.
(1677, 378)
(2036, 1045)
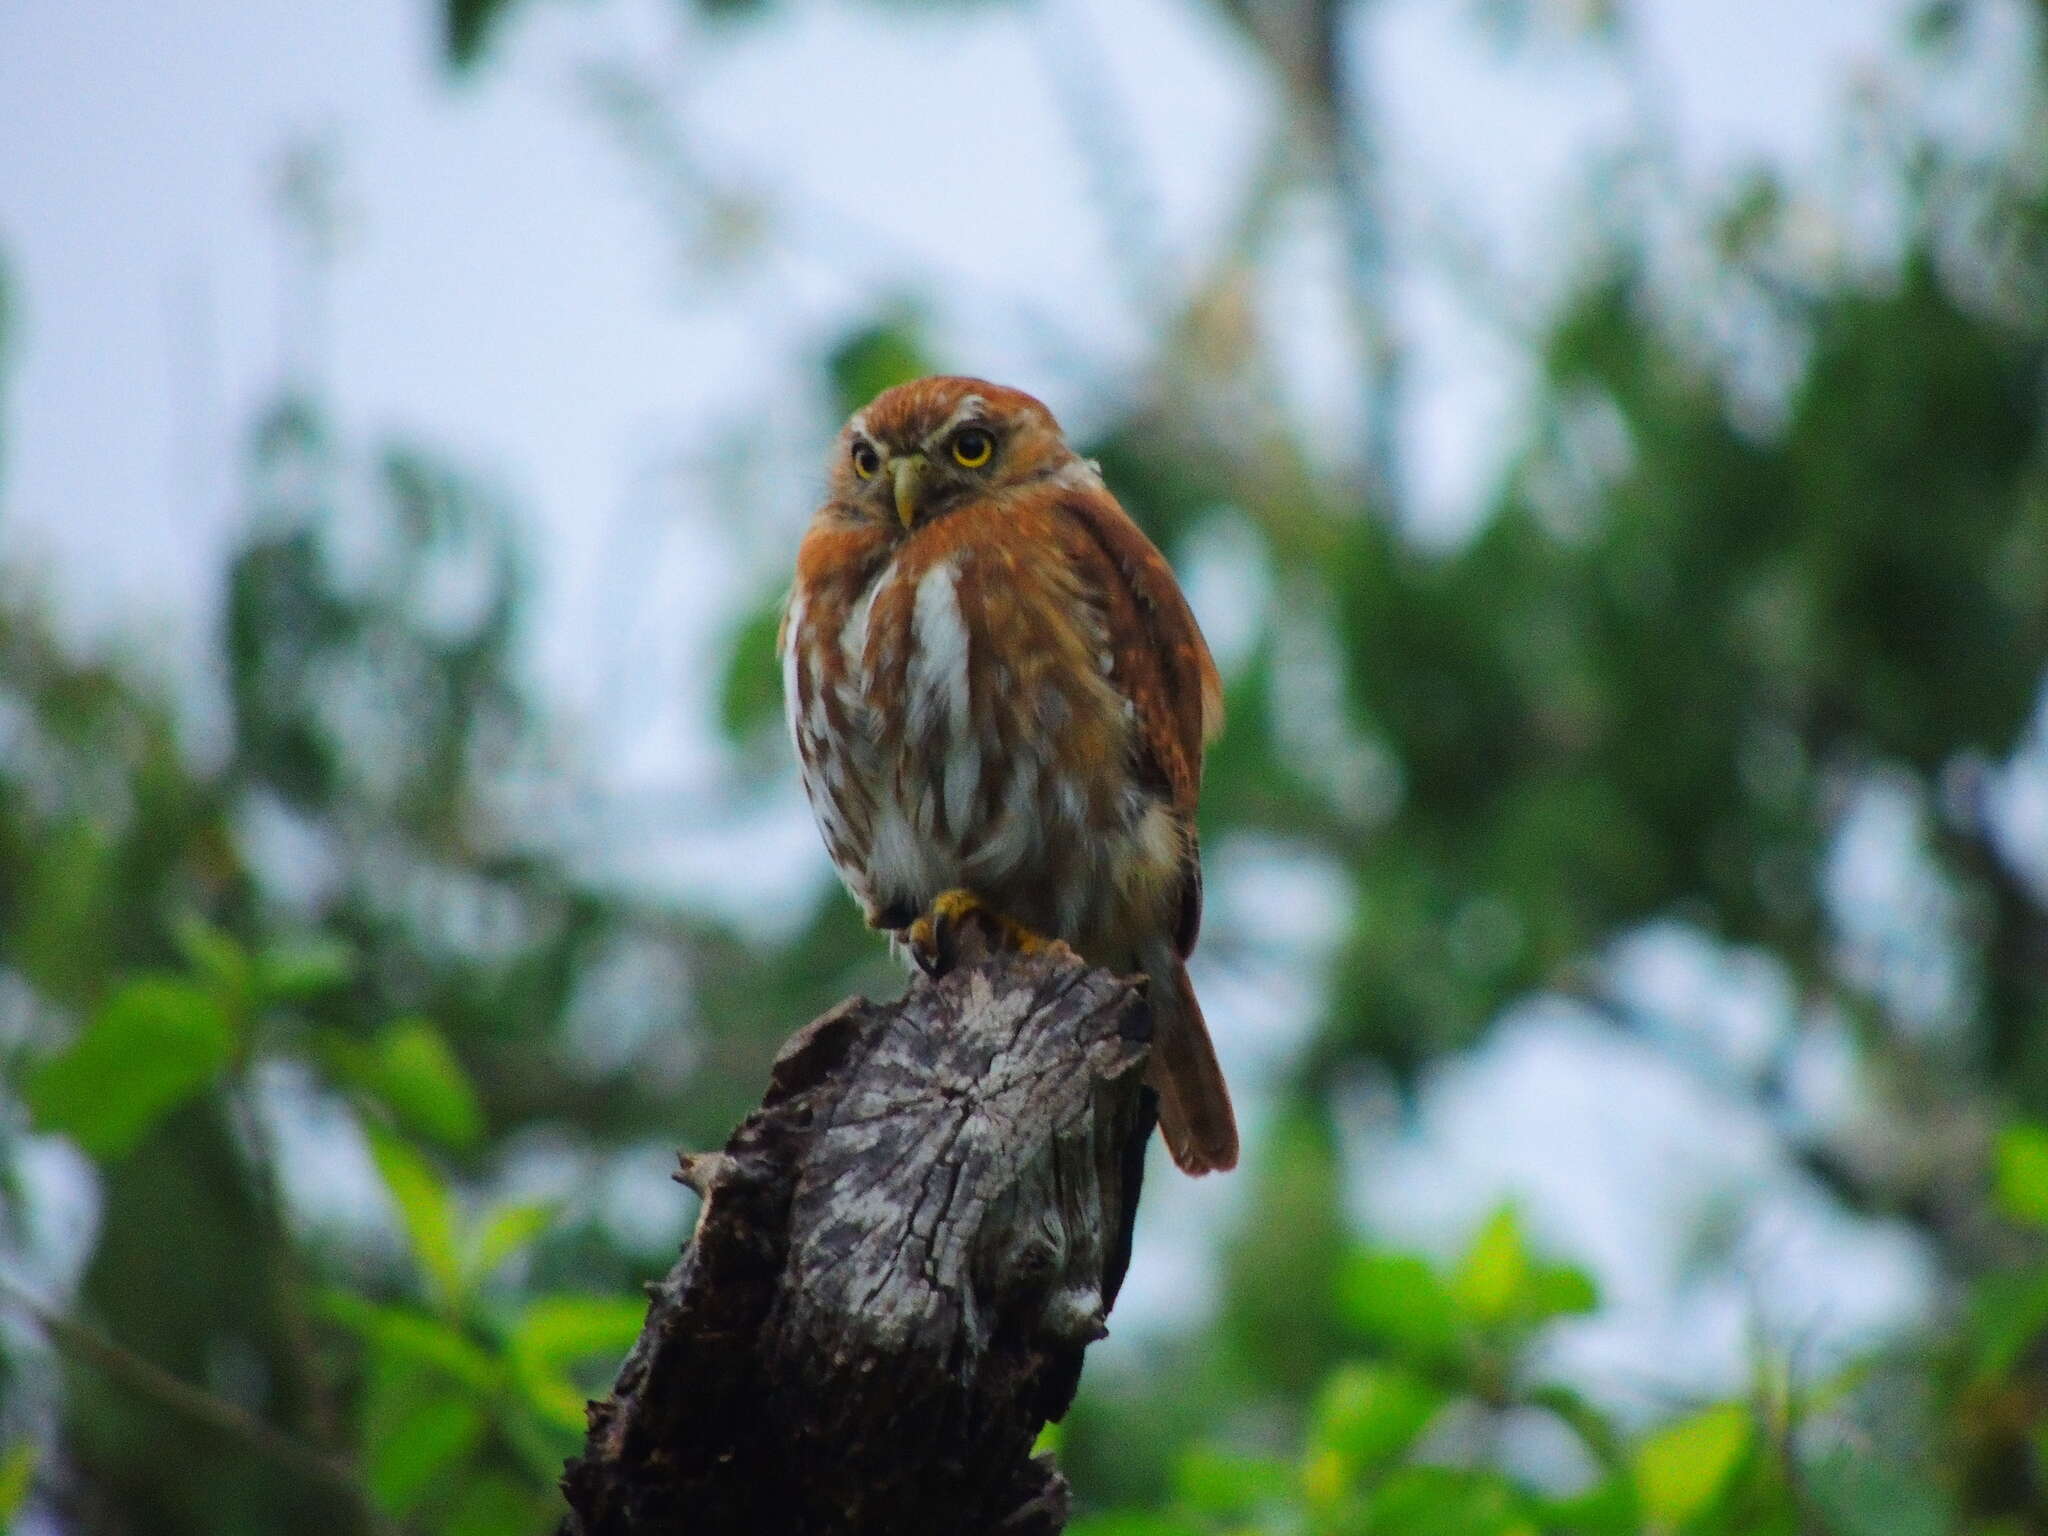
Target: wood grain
(900, 1261)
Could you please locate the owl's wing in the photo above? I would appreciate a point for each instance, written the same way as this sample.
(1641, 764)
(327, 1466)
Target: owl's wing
(1161, 662)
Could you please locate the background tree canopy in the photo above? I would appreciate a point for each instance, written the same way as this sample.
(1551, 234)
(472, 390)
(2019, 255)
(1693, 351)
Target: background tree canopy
(1702, 780)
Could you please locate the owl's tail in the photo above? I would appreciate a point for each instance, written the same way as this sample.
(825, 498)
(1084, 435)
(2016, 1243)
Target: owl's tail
(1195, 1116)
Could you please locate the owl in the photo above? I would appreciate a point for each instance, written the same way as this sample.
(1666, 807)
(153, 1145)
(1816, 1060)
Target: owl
(1000, 701)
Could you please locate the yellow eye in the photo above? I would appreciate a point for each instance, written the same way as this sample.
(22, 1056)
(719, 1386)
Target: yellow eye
(865, 460)
(971, 448)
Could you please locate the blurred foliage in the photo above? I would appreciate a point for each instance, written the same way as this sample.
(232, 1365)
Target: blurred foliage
(330, 933)
(1395, 1438)
(467, 25)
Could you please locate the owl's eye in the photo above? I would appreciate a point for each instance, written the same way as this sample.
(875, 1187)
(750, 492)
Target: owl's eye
(972, 447)
(865, 460)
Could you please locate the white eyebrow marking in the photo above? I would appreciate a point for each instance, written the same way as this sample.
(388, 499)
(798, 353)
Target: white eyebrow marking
(972, 406)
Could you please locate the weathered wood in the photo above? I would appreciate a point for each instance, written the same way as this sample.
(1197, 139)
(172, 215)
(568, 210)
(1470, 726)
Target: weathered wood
(901, 1258)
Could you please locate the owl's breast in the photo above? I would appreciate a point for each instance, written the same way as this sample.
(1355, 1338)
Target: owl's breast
(959, 724)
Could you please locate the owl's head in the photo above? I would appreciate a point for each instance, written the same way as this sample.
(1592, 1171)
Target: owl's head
(919, 450)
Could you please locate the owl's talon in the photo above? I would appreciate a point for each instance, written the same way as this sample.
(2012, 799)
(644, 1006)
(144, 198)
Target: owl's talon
(931, 945)
(934, 938)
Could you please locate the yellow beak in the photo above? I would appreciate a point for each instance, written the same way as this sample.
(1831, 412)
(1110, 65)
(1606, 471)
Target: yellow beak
(909, 476)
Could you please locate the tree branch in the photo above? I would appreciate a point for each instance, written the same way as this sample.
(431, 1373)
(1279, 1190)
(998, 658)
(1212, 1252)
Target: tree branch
(152, 1381)
(901, 1258)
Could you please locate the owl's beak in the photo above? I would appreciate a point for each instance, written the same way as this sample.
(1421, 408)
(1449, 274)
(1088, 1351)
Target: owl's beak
(908, 472)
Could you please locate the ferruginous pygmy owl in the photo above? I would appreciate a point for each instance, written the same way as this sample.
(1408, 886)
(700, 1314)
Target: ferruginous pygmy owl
(1000, 699)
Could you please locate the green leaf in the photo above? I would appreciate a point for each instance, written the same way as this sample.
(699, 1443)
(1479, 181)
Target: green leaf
(1223, 1483)
(497, 1506)
(1606, 1509)
(17, 1476)
(1559, 1290)
(62, 902)
(1132, 1523)
(1396, 1300)
(426, 1209)
(1680, 1469)
(156, 1043)
(418, 1078)
(552, 1395)
(218, 958)
(537, 1434)
(2022, 1173)
(750, 696)
(510, 1230)
(403, 1333)
(1366, 1415)
(417, 1435)
(303, 968)
(1500, 1283)
(1492, 1281)
(558, 1331)
(562, 1329)
(2007, 1313)
(1450, 1501)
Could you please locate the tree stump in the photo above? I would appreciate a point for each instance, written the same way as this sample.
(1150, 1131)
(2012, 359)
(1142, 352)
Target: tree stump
(901, 1257)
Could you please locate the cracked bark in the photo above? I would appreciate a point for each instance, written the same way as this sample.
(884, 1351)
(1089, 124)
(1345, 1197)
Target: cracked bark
(901, 1258)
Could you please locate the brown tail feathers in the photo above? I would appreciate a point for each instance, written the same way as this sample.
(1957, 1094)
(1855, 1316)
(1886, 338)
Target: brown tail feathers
(1194, 1104)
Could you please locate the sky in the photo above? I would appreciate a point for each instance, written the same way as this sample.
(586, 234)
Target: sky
(525, 281)
(507, 288)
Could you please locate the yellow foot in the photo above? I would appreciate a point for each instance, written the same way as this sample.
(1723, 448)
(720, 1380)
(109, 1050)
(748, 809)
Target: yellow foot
(934, 939)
